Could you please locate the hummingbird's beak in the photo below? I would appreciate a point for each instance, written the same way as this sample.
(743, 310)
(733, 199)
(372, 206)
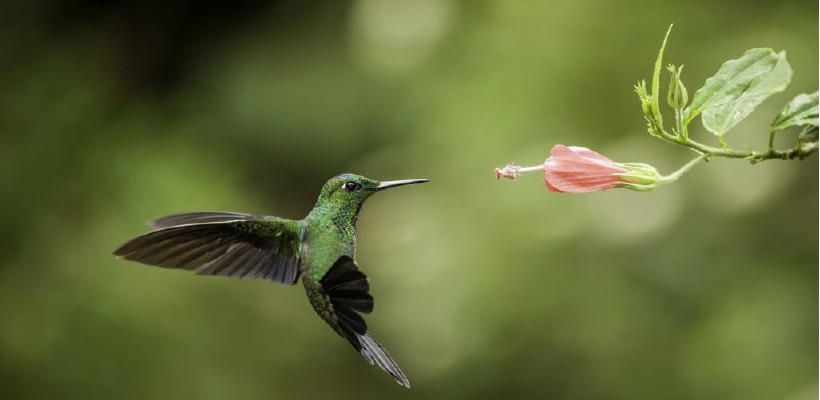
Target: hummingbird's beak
(389, 184)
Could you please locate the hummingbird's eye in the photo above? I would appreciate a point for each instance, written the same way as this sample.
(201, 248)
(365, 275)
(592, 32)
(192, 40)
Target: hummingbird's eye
(352, 186)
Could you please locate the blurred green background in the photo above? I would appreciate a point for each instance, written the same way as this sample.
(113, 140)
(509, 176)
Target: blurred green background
(111, 115)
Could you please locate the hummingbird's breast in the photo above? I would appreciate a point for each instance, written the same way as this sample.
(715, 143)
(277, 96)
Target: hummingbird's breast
(326, 241)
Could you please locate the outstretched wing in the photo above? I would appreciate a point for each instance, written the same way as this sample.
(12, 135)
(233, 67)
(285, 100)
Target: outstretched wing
(215, 243)
(200, 217)
(347, 290)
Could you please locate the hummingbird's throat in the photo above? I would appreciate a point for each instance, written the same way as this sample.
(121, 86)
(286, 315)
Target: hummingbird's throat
(343, 219)
(346, 225)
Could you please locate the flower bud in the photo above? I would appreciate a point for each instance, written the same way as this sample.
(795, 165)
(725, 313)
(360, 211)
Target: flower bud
(677, 97)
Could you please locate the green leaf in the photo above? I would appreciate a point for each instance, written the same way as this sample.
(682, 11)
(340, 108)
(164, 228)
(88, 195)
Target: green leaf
(731, 80)
(808, 135)
(656, 80)
(720, 119)
(802, 110)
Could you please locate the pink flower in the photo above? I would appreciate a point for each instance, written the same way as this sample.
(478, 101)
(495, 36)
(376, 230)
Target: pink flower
(580, 170)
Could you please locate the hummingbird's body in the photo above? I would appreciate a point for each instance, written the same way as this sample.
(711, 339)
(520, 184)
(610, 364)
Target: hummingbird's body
(321, 248)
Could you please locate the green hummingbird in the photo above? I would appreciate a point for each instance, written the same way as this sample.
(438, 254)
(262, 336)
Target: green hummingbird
(321, 248)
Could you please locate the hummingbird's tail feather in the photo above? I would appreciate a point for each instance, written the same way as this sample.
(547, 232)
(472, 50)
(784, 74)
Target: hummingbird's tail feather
(199, 217)
(347, 288)
(374, 352)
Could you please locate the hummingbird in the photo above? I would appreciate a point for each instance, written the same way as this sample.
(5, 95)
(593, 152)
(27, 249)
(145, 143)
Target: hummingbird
(321, 249)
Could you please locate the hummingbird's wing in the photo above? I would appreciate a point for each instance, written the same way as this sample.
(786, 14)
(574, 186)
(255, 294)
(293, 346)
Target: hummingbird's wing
(199, 217)
(227, 244)
(347, 290)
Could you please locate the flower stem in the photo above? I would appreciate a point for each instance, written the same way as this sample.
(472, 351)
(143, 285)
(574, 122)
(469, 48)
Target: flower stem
(771, 140)
(751, 155)
(682, 170)
(680, 136)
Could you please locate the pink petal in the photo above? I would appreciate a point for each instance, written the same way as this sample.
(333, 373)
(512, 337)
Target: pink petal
(549, 186)
(585, 152)
(562, 153)
(581, 166)
(573, 184)
(580, 170)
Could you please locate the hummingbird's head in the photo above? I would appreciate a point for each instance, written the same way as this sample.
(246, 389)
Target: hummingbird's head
(349, 189)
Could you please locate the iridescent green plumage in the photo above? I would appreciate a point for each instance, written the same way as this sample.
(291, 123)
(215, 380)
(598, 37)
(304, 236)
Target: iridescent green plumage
(321, 248)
